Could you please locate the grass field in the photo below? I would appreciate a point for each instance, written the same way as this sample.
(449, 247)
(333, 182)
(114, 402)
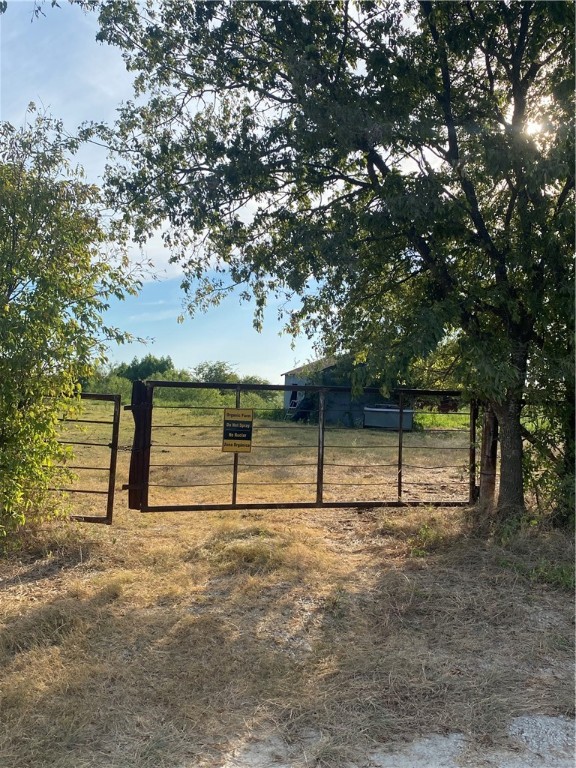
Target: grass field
(187, 465)
(168, 640)
(360, 465)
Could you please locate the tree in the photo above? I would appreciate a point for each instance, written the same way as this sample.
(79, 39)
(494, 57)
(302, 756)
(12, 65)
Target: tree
(406, 168)
(58, 267)
(215, 371)
(144, 368)
(218, 371)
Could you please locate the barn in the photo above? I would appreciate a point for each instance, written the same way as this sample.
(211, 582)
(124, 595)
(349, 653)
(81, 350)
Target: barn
(341, 406)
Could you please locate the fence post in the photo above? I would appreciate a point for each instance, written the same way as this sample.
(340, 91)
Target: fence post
(235, 465)
(320, 463)
(488, 458)
(473, 488)
(400, 444)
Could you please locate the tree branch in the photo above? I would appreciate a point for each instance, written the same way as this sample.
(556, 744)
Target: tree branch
(538, 444)
(453, 154)
(343, 46)
(568, 186)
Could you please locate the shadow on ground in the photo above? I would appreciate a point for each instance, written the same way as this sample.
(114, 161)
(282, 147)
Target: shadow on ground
(171, 657)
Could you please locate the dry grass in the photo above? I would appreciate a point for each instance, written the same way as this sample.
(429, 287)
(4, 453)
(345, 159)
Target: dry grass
(187, 464)
(166, 639)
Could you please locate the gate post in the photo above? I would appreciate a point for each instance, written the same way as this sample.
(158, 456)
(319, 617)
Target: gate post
(141, 407)
(489, 458)
(473, 486)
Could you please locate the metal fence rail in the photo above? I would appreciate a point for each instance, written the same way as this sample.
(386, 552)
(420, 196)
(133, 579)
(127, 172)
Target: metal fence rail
(98, 455)
(324, 459)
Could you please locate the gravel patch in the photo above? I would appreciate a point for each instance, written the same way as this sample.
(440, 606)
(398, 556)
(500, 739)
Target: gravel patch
(536, 741)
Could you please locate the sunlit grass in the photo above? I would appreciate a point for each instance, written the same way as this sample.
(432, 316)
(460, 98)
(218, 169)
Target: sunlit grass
(166, 638)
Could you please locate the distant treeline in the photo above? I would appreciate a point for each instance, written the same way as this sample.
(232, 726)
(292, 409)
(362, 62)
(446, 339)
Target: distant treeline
(118, 379)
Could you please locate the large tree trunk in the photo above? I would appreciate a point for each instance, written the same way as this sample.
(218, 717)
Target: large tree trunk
(508, 411)
(511, 490)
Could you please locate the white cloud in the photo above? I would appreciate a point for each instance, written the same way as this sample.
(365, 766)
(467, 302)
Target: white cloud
(159, 255)
(154, 317)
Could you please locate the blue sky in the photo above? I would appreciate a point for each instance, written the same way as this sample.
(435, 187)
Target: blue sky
(56, 62)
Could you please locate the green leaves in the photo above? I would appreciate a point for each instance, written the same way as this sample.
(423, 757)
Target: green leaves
(58, 264)
(405, 168)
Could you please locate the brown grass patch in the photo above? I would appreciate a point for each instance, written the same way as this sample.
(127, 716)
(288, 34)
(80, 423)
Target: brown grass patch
(257, 550)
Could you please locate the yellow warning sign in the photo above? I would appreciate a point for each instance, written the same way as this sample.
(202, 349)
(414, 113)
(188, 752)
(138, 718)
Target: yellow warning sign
(237, 437)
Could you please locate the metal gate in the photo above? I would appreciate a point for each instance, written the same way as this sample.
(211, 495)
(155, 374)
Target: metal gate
(94, 438)
(309, 446)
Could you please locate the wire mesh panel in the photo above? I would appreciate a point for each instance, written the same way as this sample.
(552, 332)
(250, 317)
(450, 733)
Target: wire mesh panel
(186, 464)
(333, 449)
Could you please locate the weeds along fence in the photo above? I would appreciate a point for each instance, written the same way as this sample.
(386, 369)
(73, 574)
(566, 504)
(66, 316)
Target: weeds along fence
(298, 446)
